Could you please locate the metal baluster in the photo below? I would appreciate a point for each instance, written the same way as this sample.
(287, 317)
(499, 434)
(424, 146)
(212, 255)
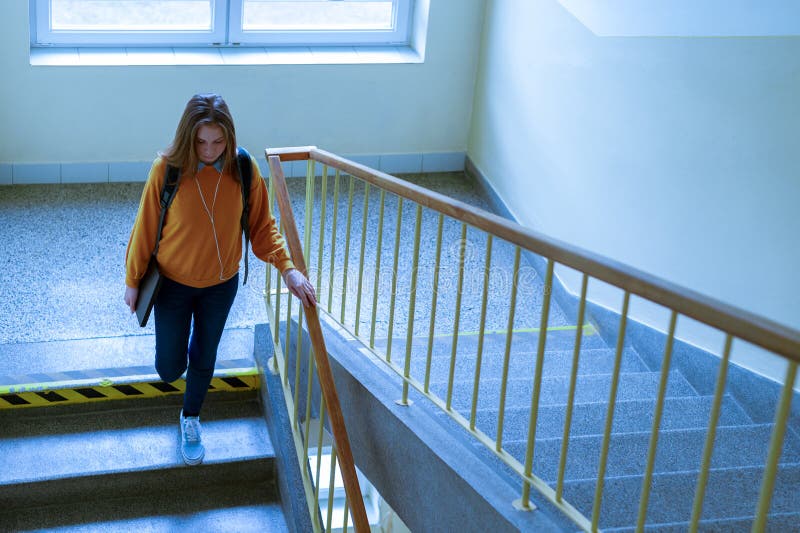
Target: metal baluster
(537, 385)
(320, 433)
(507, 354)
(331, 488)
(333, 237)
(708, 449)
(310, 374)
(411, 304)
(457, 316)
(347, 248)
(297, 359)
(323, 208)
(375, 286)
(277, 327)
(361, 257)
(346, 515)
(479, 357)
(775, 448)
(651, 452)
(434, 298)
(394, 277)
(309, 211)
(572, 384)
(612, 398)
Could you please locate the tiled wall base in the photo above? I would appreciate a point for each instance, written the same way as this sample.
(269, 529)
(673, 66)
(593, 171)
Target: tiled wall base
(136, 171)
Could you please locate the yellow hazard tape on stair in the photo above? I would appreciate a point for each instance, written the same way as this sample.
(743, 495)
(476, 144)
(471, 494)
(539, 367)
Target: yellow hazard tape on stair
(117, 384)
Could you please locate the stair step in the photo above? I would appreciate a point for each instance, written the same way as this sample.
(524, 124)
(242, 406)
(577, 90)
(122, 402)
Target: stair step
(629, 416)
(779, 523)
(554, 391)
(678, 451)
(241, 507)
(53, 357)
(731, 492)
(46, 457)
(523, 342)
(556, 363)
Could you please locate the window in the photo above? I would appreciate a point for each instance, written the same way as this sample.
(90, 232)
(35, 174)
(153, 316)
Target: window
(220, 22)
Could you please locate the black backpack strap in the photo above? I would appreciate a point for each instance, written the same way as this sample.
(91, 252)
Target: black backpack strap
(168, 191)
(246, 174)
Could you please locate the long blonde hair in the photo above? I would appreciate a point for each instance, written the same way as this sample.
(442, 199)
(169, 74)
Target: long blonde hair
(202, 109)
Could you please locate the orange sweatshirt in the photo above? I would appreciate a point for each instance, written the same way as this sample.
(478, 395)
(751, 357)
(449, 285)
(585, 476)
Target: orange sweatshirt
(188, 252)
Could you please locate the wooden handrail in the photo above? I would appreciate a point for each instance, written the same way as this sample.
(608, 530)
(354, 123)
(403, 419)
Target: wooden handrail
(747, 326)
(325, 375)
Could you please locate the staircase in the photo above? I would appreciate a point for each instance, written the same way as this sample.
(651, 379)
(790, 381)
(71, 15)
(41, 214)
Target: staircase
(737, 461)
(116, 465)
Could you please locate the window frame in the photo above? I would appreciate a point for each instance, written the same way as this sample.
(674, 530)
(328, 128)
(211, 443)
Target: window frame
(399, 35)
(227, 31)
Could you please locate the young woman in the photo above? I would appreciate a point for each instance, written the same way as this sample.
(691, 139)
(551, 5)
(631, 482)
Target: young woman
(199, 252)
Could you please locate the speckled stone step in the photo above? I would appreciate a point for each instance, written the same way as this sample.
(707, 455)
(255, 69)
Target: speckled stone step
(779, 523)
(554, 391)
(556, 363)
(522, 342)
(678, 451)
(629, 416)
(235, 506)
(85, 354)
(127, 447)
(732, 494)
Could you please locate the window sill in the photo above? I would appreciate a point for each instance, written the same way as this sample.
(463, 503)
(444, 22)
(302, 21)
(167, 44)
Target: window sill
(305, 55)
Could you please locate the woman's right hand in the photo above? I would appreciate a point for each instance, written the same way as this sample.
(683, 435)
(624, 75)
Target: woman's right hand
(131, 296)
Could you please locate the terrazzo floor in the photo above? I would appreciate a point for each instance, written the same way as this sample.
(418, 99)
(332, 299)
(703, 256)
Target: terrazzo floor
(63, 248)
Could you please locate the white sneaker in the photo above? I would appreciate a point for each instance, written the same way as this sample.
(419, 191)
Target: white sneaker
(192, 448)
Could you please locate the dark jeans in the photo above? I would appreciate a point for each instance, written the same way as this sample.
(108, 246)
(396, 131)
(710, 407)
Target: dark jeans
(175, 306)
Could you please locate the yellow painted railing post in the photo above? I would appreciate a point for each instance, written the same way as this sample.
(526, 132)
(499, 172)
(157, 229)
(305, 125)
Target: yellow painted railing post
(309, 391)
(537, 385)
(346, 268)
(320, 432)
(296, 359)
(651, 452)
(277, 319)
(346, 516)
(434, 298)
(365, 210)
(322, 216)
(331, 487)
(573, 380)
(376, 283)
(612, 398)
(457, 315)
(309, 211)
(775, 448)
(487, 264)
(392, 296)
(507, 355)
(411, 306)
(708, 448)
(334, 229)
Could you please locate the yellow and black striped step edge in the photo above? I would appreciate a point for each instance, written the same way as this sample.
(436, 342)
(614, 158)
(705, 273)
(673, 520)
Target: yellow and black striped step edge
(83, 386)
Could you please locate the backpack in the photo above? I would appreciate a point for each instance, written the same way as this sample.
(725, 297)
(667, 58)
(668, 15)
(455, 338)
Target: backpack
(245, 173)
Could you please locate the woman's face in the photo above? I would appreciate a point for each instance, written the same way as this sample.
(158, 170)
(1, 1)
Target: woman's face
(210, 143)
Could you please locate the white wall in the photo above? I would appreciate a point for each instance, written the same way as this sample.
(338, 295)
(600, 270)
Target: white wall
(678, 156)
(84, 114)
